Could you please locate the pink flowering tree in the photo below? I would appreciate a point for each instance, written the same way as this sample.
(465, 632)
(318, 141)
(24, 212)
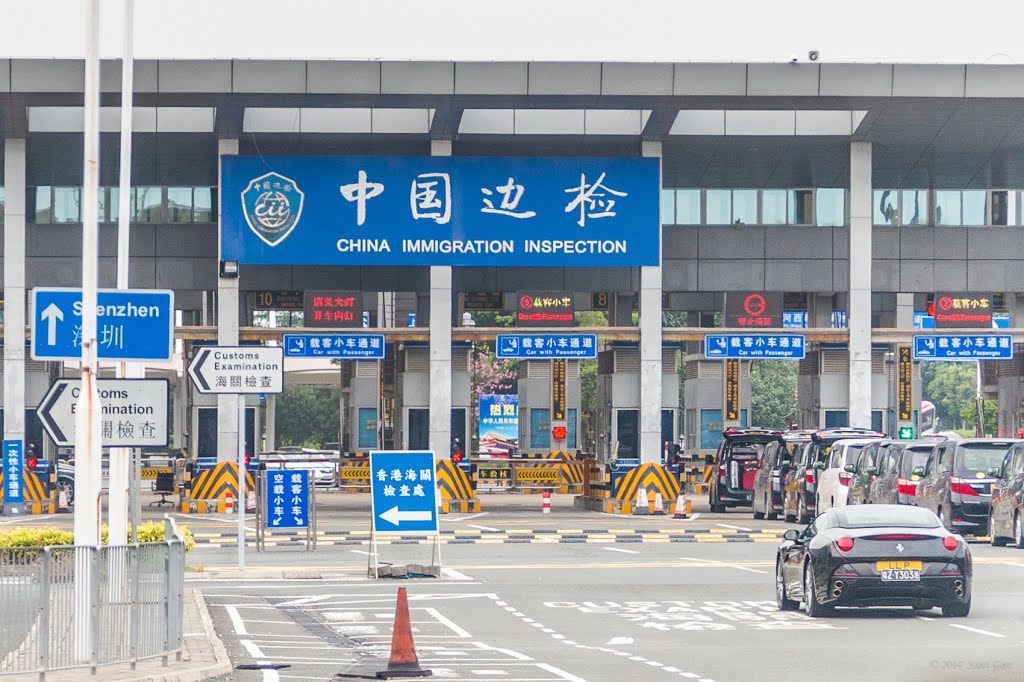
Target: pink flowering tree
(489, 375)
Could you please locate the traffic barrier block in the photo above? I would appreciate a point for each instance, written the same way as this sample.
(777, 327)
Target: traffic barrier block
(212, 486)
(653, 477)
(35, 493)
(457, 490)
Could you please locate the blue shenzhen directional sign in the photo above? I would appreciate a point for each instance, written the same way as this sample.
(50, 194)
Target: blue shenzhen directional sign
(344, 346)
(546, 346)
(754, 346)
(963, 347)
(288, 499)
(131, 324)
(404, 492)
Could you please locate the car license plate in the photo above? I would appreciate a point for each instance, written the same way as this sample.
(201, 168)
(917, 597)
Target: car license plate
(898, 565)
(900, 576)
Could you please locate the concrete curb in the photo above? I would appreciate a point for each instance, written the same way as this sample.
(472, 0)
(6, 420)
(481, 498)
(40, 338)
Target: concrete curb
(222, 666)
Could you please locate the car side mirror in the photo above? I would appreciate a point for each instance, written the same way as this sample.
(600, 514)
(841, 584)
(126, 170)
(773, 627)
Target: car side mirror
(995, 472)
(791, 535)
(851, 468)
(918, 471)
(820, 466)
(871, 470)
(785, 464)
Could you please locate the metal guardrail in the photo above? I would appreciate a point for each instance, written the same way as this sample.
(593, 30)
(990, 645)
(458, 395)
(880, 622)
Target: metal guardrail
(67, 607)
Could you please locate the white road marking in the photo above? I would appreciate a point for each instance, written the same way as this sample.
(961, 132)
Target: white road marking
(495, 673)
(620, 640)
(305, 600)
(447, 623)
(508, 652)
(472, 516)
(980, 632)
(493, 530)
(21, 519)
(693, 517)
(624, 551)
(257, 654)
(726, 525)
(561, 673)
(923, 618)
(359, 551)
(751, 570)
(454, 575)
(703, 561)
(236, 620)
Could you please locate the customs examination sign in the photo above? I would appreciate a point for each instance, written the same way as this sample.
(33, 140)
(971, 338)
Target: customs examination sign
(440, 211)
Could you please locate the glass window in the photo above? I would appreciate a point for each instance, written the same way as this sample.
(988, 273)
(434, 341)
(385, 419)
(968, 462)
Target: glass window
(744, 206)
(668, 207)
(830, 204)
(886, 207)
(540, 428)
(2, 199)
(801, 207)
(974, 207)
(773, 207)
(1003, 207)
(915, 207)
(147, 204)
(179, 204)
(687, 207)
(113, 206)
(202, 201)
(67, 205)
(44, 205)
(947, 208)
(719, 205)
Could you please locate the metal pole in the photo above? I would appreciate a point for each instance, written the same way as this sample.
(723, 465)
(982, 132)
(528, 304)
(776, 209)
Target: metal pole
(241, 483)
(120, 458)
(87, 427)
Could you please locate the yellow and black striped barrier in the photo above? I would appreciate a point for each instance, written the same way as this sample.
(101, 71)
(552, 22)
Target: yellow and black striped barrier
(149, 473)
(354, 476)
(35, 493)
(457, 490)
(212, 486)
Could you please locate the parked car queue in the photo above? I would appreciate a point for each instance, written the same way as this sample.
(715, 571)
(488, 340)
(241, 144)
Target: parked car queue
(974, 485)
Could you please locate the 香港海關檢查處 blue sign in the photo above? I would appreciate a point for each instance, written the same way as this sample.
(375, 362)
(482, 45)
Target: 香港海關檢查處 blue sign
(546, 346)
(754, 346)
(288, 499)
(344, 346)
(403, 492)
(435, 210)
(963, 347)
(131, 324)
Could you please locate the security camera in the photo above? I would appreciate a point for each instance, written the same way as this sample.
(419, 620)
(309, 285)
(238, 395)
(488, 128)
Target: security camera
(793, 58)
(813, 55)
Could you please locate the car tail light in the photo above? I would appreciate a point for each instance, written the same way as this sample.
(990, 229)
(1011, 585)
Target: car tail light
(950, 542)
(905, 486)
(721, 470)
(844, 478)
(845, 544)
(961, 487)
(809, 476)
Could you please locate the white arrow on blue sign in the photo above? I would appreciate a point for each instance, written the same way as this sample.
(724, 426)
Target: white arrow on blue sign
(131, 324)
(403, 492)
(288, 498)
(964, 347)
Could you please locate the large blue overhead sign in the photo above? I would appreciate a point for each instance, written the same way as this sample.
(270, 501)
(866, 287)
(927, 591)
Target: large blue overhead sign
(131, 324)
(403, 492)
(440, 211)
(963, 347)
(546, 346)
(344, 346)
(754, 346)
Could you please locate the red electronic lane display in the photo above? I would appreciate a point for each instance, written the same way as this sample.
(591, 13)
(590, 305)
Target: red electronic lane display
(544, 309)
(963, 310)
(753, 309)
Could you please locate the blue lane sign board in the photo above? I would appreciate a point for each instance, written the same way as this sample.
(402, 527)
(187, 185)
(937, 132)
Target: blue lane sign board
(546, 346)
(14, 464)
(403, 492)
(963, 347)
(754, 346)
(131, 324)
(432, 210)
(344, 346)
(288, 498)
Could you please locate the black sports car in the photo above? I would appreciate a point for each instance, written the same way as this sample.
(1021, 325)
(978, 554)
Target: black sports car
(874, 555)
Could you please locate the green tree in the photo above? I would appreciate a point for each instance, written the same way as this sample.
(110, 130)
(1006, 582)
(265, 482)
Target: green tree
(307, 416)
(951, 386)
(773, 393)
(491, 318)
(969, 413)
(673, 319)
(588, 400)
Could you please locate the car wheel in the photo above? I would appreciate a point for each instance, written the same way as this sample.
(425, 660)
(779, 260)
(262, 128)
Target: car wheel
(802, 515)
(1018, 532)
(811, 605)
(782, 601)
(769, 514)
(758, 515)
(957, 609)
(993, 539)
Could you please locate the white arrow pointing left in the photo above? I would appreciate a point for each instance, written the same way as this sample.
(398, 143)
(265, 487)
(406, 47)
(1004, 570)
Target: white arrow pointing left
(50, 316)
(395, 517)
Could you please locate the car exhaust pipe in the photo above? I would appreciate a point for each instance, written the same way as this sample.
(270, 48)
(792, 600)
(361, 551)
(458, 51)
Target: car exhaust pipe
(837, 588)
(959, 592)
(958, 584)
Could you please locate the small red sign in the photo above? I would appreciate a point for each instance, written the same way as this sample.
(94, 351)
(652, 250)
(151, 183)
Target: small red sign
(333, 309)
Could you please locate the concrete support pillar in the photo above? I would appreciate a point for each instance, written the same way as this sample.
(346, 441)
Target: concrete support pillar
(179, 424)
(14, 293)
(905, 311)
(650, 346)
(227, 335)
(859, 299)
(270, 425)
(440, 417)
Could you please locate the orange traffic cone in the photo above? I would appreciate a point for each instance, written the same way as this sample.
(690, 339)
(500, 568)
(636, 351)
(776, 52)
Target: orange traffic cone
(403, 661)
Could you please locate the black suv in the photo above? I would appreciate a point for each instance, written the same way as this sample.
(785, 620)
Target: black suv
(739, 454)
(771, 474)
(801, 484)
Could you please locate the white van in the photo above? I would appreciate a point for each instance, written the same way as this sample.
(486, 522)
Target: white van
(837, 471)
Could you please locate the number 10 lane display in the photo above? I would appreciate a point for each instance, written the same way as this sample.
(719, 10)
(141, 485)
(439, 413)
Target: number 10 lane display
(440, 211)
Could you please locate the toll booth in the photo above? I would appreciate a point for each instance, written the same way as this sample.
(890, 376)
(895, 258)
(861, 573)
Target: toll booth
(535, 406)
(412, 395)
(823, 389)
(704, 397)
(618, 400)
(204, 425)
